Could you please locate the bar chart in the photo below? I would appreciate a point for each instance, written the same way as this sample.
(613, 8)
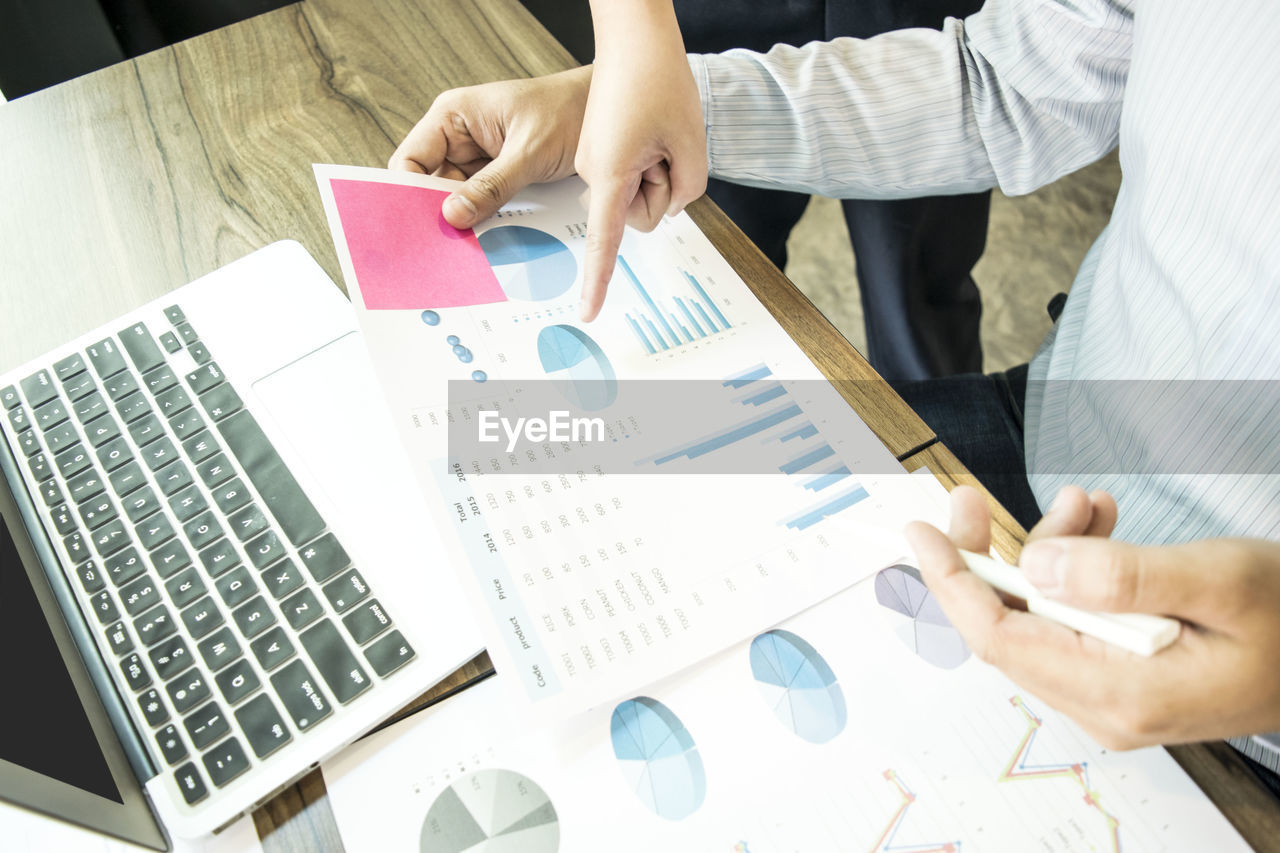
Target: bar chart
(672, 321)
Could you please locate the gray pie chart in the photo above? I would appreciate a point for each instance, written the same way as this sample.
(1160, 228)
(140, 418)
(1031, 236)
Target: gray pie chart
(491, 811)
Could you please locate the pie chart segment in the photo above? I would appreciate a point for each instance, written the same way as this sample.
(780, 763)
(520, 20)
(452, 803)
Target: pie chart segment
(917, 618)
(798, 685)
(578, 367)
(529, 263)
(658, 758)
(491, 811)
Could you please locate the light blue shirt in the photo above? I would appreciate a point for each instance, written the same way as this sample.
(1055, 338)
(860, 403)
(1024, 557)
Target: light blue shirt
(1182, 285)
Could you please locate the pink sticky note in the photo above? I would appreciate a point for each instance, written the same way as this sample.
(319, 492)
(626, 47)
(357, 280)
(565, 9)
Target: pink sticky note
(405, 255)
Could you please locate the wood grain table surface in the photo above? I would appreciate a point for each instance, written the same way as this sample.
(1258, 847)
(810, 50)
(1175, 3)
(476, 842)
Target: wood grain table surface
(126, 183)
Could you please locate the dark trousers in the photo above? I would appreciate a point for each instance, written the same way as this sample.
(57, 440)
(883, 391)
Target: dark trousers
(914, 256)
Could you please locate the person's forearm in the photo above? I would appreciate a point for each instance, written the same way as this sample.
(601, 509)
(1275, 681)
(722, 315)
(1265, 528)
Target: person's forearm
(1016, 96)
(626, 27)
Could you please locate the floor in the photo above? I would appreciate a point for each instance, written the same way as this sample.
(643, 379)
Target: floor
(1035, 243)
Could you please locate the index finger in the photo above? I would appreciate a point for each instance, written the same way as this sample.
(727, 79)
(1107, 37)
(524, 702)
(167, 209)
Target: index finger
(606, 219)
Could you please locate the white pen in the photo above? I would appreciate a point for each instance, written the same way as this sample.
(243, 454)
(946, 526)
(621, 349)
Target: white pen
(1141, 633)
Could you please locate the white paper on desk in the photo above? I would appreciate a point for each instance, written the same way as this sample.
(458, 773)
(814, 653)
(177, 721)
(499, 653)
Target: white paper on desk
(593, 585)
(23, 831)
(885, 740)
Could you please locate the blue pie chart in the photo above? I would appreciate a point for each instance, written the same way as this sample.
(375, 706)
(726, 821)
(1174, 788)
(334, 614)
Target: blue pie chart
(659, 759)
(798, 686)
(530, 264)
(578, 366)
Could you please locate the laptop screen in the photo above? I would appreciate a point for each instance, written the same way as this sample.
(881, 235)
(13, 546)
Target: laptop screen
(43, 726)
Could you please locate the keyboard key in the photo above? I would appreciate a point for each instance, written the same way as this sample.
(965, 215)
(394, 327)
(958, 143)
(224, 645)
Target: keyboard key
(237, 681)
(78, 386)
(190, 784)
(154, 625)
(335, 662)
(110, 538)
(188, 503)
(171, 745)
(90, 577)
(28, 442)
(120, 386)
(61, 437)
(219, 649)
(226, 762)
(97, 512)
(202, 617)
(248, 522)
(50, 492)
(114, 453)
(231, 496)
(236, 587)
(170, 342)
(139, 595)
(203, 529)
(170, 557)
(85, 486)
(123, 566)
(40, 467)
(159, 379)
(205, 377)
(159, 453)
(221, 401)
(187, 333)
(72, 460)
(389, 654)
(118, 639)
(153, 708)
(173, 401)
(300, 695)
(185, 587)
(174, 477)
(367, 622)
(128, 477)
(170, 657)
(253, 617)
(101, 429)
(105, 358)
(38, 388)
(200, 447)
(50, 414)
(135, 674)
(263, 726)
(186, 424)
(264, 549)
(9, 397)
(146, 429)
(77, 548)
(174, 314)
(219, 557)
(154, 531)
(272, 648)
(187, 690)
(200, 353)
(141, 347)
(282, 579)
(283, 496)
(215, 470)
(89, 407)
(72, 365)
(206, 725)
(139, 503)
(104, 607)
(18, 419)
(301, 610)
(63, 521)
(132, 407)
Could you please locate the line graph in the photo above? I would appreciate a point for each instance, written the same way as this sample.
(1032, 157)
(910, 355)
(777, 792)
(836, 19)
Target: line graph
(884, 844)
(1019, 768)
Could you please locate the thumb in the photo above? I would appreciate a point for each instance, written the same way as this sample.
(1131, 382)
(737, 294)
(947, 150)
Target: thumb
(1200, 581)
(487, 190)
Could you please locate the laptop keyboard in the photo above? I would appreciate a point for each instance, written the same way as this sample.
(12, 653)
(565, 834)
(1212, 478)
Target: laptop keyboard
(214, 580)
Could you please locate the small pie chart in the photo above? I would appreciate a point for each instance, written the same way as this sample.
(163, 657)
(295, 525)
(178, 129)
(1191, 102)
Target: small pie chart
(659, 759)
(491, 811)
(578, 366)
(529, 263)
(917, 618)
(798, 685)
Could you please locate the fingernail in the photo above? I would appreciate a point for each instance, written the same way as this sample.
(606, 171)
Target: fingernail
(1044, 564)
(461, 209)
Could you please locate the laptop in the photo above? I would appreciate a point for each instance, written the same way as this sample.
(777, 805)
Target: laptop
(216, 569)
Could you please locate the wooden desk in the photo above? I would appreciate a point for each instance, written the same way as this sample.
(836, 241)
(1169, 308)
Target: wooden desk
(131, 181)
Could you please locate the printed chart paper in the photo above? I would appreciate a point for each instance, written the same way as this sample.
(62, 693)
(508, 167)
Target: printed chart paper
(595, 582)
